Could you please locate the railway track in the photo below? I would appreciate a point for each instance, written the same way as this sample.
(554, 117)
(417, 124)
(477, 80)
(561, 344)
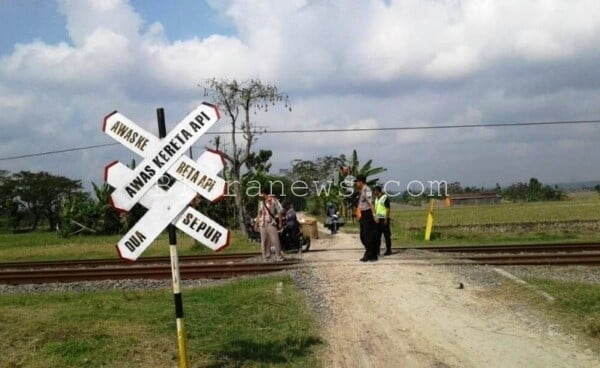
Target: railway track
(188, 271)
(532, 254)
(229, 265)
(589, 259)
(514, 248)
(212, 258)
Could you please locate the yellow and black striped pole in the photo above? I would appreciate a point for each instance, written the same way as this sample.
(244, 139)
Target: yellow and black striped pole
(182, 348)
(178, 298)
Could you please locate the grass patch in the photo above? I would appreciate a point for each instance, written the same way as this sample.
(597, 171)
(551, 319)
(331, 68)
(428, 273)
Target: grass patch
(577, 304)
(577, 208)
(249, 323)
(50, 246)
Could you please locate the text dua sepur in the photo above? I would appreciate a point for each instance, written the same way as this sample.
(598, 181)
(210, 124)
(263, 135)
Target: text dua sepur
(170, 150)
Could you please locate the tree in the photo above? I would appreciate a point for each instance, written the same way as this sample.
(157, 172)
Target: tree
(239, 100)
(455, 188)
(597, 187)
(321, 177)
(77, 213)
(259, 162)
(355, 169)
(320, 170)
(533, 191)
(10, 206)
(109, 221)
(6, 191)
(324, 177)
(42, 193)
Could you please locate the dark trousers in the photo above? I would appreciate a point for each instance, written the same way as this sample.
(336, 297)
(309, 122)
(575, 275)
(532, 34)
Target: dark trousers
(383, 228)
(290, 238)
(368, 232)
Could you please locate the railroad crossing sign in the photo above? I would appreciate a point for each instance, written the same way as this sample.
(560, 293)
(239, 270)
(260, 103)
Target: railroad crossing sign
(160, 157)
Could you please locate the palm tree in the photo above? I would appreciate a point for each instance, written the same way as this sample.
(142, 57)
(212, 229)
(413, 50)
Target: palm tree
(355, 169)
(110, 220)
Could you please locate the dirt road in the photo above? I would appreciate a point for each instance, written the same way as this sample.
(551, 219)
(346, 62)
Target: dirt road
(406, 313)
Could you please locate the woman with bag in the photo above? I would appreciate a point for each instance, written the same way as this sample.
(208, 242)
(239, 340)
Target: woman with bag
(269, 223)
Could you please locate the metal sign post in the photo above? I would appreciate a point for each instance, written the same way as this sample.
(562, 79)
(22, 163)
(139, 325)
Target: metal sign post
(178, 299)
(168, 206)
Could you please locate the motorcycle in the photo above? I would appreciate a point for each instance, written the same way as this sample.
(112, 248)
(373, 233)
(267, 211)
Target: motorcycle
(293, 240)
(333, 222)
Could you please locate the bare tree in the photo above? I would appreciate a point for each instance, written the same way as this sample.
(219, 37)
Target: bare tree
(238, 100)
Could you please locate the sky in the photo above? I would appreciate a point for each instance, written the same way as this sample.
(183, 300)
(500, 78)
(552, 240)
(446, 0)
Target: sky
(66, 64)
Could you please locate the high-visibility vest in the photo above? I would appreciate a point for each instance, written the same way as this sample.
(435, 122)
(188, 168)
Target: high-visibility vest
(380, 209)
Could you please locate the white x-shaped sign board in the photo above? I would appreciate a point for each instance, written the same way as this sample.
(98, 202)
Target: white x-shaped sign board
(197, 175)
(164, 207)
(159, 156)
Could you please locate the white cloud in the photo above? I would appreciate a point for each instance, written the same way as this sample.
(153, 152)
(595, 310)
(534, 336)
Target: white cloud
(85, 18)
(345, 63)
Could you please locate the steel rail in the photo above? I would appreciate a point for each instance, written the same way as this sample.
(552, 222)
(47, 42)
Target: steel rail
(512, 248)
(116, 261)
(188, 271)
(553, 259)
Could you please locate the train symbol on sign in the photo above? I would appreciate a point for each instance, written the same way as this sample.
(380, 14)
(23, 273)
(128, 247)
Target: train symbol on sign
(160, 157)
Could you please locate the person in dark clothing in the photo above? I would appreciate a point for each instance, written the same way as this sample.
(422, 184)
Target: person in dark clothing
(332, 217)
(368, 226)
(291, 227)
(382, 212)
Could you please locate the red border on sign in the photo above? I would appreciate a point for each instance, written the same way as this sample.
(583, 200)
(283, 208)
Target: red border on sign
(106, 169)
(221, 154)
(226, 244)
(216, 107)
(110, 201)
(219, 198)
(127, 260)
(106, 118)
(112, 204)
(225, 189)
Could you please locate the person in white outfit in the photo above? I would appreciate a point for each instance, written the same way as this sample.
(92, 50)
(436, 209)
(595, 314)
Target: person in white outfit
(269, 222)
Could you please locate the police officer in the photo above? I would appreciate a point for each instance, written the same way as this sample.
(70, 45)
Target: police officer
(368, 227)
(382, 212)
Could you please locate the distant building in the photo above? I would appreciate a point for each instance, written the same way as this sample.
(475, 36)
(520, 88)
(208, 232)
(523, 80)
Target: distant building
(470, 199)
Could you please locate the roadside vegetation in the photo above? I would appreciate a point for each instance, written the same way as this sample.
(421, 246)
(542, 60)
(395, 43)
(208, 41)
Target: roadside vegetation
(575, 219)
(43, 245)
(576, 305)
(257, 322)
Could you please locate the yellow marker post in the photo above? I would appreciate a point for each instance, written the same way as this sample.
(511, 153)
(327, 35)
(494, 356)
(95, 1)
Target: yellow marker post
(429, 225)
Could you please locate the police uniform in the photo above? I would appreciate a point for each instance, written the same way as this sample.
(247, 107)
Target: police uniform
(382, 208)
(368, 227)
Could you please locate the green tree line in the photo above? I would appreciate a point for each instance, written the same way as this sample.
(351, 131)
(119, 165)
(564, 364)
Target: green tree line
(30, 199)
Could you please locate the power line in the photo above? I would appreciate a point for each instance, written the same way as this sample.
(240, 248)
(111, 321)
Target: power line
(426, 127)
(336, 130)
(57, 151)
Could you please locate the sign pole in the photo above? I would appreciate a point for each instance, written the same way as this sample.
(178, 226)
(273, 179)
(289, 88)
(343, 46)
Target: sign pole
(181, 343)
